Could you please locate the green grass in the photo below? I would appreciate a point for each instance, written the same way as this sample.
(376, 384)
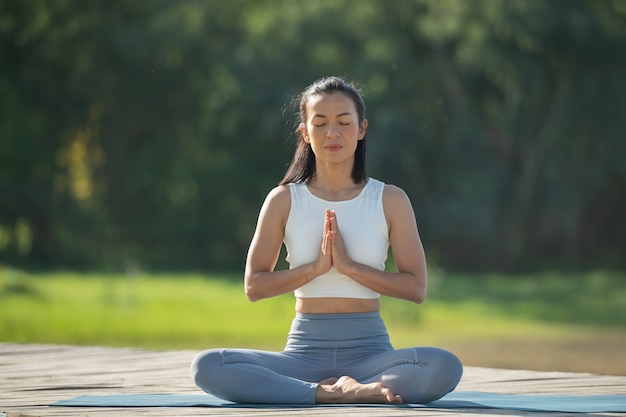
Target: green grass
(158, 311)
(548, 306)
(193, 311)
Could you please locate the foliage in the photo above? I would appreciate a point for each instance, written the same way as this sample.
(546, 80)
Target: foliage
(147, 133)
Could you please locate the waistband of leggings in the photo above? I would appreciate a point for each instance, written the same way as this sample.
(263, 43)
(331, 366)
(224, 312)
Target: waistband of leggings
(339, 316)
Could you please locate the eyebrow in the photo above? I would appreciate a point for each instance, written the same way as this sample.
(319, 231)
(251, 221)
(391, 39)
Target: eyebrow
(339, 115)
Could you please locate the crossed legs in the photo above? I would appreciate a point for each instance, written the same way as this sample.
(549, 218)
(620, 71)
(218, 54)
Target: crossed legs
(412, 375)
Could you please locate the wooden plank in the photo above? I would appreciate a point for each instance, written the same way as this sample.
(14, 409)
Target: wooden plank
(34, 376)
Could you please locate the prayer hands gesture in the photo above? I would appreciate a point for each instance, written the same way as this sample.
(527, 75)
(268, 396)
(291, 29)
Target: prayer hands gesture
(333, 250)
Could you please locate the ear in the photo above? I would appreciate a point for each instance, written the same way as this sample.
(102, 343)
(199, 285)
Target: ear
(304, 133)
(362, 129)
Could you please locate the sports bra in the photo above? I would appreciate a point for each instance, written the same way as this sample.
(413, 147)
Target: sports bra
(363, 227)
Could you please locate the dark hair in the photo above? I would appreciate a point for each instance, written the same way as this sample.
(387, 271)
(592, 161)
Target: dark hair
(302, 167)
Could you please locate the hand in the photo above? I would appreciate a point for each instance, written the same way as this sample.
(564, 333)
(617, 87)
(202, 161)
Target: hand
(340, 259)
(324, 257)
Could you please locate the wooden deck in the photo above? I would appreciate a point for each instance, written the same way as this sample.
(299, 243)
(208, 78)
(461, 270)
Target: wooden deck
(33, 376)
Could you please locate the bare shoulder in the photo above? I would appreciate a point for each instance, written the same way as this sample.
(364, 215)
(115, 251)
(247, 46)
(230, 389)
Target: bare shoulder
(397, 206)
(279, 195)
(277, 203)
(394, 196)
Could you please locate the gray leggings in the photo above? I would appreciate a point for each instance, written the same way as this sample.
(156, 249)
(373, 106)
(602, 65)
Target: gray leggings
(322, 346)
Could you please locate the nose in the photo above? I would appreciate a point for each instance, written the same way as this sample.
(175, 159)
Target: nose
(333, 130)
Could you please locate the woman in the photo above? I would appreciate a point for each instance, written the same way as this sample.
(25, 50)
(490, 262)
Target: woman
(337, 225)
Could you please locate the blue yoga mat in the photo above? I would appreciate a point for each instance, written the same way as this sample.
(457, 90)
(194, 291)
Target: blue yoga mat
(460, 399)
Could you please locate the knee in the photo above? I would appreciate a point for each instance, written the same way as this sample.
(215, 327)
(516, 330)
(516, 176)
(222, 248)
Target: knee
(452, 367)
(447, 374)
(432, 373)
(204, 366)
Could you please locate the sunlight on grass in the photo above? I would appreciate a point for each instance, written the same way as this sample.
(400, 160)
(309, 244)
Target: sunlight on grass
(157, 311)
(194, 311)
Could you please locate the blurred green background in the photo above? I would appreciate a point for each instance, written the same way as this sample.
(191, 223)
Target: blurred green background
(541, 321)
(147, 133)
(139, 138)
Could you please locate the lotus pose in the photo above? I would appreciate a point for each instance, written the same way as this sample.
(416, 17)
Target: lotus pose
(337, 225)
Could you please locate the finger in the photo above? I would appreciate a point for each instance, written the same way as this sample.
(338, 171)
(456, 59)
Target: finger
(336, 232)
(326, 242)
(333, 220)
(327, 221)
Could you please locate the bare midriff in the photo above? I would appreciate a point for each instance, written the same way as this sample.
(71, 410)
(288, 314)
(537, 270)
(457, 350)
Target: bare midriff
(332, 305)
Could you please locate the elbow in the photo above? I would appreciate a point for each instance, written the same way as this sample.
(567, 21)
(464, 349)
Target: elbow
(414, 287)
(418, 295)
(418, 298)
(251, 294)
(252, 291)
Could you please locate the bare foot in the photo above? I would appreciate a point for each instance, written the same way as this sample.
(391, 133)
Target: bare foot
(329, 381)
(346, 390)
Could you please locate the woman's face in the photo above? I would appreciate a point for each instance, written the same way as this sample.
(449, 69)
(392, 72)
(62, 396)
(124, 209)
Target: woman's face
(332, 127)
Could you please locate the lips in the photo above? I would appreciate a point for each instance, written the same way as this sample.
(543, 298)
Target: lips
(333, 147)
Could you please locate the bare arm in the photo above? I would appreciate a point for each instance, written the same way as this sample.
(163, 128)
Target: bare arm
(410, 281)
(261, 281)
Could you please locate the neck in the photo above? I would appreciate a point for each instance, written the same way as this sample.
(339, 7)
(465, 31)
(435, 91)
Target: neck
(333, 177)
(334, 184)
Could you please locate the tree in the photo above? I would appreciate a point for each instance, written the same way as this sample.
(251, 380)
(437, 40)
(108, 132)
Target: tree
(150, 132)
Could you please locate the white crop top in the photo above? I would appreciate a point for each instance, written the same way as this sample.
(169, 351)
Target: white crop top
(363, 227)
